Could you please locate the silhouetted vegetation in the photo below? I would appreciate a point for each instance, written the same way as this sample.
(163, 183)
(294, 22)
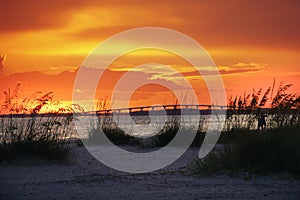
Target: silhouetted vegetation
(244, 148)
(108, 126)
(167, 133)
(33, 135)
(275, 149)
(282, 109)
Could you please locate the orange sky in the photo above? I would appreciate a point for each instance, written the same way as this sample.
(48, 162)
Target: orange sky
(250, 42)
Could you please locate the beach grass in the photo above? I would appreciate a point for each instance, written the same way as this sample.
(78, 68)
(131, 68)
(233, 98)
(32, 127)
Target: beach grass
(108, 126)
(275, 148)
(272, 149)
(31, 137)
(44, 136)
(167, 133)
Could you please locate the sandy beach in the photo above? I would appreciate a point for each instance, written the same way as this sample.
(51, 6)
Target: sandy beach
(83, 177)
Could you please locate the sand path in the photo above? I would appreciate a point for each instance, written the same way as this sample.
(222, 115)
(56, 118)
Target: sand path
(84, 178)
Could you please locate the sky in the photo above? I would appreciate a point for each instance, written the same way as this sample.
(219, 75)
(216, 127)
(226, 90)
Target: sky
(251, 43)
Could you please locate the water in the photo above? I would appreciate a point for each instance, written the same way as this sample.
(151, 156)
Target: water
(145, 126)
(139, 126)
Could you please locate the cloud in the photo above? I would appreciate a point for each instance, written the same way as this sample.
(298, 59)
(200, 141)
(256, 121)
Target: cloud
(150, 68)
(176, 74)
(242, 68)
(74, 28)
(62, 84)
(80, 15)
(215, 23)
(239, 68)
(31, 15)
(93, 23)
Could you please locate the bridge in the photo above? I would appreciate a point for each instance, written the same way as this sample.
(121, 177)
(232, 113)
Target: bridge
(170, 109)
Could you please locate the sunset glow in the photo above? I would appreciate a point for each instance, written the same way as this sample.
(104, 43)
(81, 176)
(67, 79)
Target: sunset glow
(251, 43)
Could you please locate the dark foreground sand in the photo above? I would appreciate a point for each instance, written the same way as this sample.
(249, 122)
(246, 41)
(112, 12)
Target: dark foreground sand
(84, 178)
